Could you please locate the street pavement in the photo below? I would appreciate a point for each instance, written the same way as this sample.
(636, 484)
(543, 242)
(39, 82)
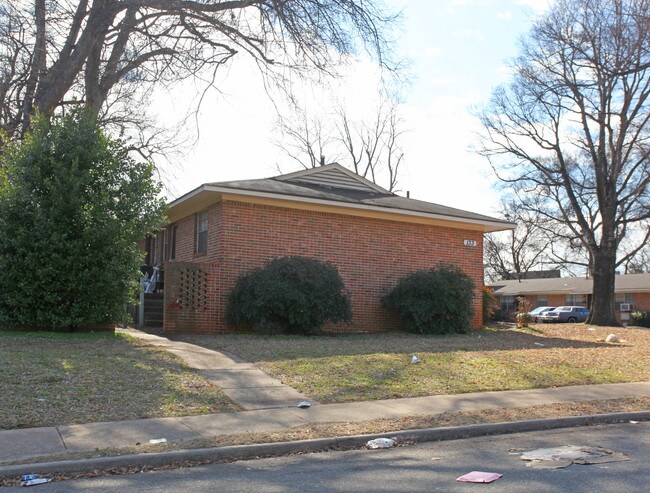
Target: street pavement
(426, 467)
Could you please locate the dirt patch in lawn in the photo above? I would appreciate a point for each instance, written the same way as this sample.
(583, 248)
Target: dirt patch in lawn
(56, 379)
(362, 367)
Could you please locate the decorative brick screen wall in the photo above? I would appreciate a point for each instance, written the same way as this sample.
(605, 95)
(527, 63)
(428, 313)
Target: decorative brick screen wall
(370, 254)
(190, 291)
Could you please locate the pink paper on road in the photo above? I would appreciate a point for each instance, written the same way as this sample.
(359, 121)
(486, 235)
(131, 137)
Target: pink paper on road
(479, 477)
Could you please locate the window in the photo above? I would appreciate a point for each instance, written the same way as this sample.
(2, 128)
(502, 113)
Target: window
(154, 250)
(202, 232)
(165, 244)
(172, 241)
(576, 300)
(508, 303)
(624, 298)
(542, 300)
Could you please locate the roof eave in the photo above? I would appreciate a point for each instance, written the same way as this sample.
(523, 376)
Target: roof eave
(488, 226)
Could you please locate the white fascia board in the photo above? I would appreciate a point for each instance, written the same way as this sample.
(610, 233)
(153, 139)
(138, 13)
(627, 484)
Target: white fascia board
(350, 205)
(187, 196)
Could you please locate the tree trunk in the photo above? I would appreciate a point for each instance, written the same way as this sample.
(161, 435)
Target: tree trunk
(602, 310)
(38, 67)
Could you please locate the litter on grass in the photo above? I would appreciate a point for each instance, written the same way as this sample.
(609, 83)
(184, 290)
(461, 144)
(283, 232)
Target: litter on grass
(381, 443)
(612, 338)
(415, 359)
(560, 457)
(304, 404)
(479, 477)
(35, 481)
(158, 440)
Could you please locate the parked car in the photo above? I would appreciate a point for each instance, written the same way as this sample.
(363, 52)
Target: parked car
(569, 314)
(539, 311)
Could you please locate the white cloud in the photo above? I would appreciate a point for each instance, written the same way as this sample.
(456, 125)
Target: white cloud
(506, 15)
(432, 51)
(468, 33)
(441, 81)
(538, 6)
(467, 3)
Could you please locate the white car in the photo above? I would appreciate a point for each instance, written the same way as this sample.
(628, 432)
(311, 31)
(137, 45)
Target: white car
(539, 311)
(570, 314)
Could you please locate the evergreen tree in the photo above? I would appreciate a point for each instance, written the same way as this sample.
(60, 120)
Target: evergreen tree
(72, 206)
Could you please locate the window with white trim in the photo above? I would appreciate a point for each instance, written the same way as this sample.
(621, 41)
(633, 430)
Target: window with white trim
(508, 303)
(202, 232)
(172, 242)
(576, 299)
(624, 298)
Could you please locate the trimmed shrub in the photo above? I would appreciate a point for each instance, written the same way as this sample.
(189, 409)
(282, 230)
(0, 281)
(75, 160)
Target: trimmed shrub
(434, 301)
(290, 295)
(641, 319)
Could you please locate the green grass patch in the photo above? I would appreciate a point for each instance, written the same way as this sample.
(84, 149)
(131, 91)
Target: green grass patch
(65, 378)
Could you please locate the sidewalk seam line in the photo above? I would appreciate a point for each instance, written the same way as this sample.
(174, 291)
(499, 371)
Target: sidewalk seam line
(61, 437)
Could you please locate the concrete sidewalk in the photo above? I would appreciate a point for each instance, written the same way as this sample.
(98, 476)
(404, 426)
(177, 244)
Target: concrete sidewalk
(16, 445)
(245, 384)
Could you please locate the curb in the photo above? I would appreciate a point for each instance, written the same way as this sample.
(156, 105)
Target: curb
(245, 452)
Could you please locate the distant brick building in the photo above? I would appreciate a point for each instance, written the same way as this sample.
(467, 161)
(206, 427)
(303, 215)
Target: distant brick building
(631, 291)
(220, 231)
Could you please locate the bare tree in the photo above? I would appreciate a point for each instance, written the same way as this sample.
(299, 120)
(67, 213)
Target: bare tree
(570, 134)
(513, 254)
(370, 147)
(307, 140)
(107, 53)
(639, 263)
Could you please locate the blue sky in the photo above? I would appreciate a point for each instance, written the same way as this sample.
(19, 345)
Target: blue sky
(459, 51)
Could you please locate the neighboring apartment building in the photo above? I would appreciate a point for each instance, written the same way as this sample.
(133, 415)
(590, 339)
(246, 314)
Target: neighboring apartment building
(220, 231)
(631, 289)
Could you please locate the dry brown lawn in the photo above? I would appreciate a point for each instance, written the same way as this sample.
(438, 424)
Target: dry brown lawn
(51, 379)
(348, 368)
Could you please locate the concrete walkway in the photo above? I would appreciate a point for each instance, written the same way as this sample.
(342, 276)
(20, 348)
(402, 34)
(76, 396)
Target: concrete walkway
(21, 444)
(248, 386)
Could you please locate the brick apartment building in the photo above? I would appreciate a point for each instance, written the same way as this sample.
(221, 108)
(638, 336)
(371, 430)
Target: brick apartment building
(220, 231)
(631, 291)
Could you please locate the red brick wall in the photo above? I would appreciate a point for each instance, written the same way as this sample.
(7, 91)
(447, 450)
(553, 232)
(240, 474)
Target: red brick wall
(557, 300)
(370, 254)
(642, 301)
(190, 291)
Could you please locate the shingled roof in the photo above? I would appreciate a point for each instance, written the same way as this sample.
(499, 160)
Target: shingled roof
(627, 283)
(335, 185)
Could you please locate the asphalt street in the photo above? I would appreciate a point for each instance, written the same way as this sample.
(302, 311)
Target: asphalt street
(426, 467)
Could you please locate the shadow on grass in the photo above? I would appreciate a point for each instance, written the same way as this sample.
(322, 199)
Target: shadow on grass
(54, 379)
